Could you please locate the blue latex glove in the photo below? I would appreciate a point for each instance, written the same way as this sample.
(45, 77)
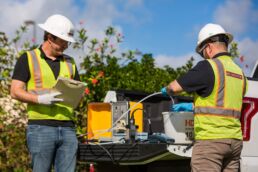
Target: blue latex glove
(188, 107)
(164, 91)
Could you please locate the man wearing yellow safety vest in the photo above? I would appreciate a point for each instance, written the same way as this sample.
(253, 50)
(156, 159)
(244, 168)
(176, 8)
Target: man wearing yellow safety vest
(219, 86)
(51, 137)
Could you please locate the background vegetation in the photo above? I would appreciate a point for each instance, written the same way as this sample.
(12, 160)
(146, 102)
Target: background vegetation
(104, 68)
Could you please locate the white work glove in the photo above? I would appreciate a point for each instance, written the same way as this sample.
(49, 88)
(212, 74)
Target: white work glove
(49, 98)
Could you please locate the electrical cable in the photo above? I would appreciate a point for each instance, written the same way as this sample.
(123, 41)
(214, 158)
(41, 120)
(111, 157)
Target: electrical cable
(110, 129)
(115, 162)
(131, 147)
(100, 132)
(125, 113)
(109, 154)
(106, 143)
(173, 102)
(95, 131)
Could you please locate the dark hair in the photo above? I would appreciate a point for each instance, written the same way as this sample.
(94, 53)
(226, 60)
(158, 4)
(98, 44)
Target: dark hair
(217, 38)
(46, 35)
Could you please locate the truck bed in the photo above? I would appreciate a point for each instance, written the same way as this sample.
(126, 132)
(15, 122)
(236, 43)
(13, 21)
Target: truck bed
(132, 157)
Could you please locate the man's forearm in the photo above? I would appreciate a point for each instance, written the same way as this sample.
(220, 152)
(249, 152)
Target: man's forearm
(18, 92)
(175, 87)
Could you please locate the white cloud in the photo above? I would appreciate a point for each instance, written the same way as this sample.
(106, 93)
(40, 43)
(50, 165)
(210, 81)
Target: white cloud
(174, 62)
(98, 14)
(14, 13)
(248, 48)
(240, 18)
(95, 14)
(235, 15)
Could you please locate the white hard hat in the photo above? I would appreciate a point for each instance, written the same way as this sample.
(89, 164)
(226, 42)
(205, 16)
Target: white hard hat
(59, 26)
(208, 31)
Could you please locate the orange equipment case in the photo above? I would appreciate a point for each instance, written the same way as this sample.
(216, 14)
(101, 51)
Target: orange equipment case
(101, 117)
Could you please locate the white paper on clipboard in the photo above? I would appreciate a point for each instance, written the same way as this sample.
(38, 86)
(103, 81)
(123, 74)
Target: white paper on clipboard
(72, 91)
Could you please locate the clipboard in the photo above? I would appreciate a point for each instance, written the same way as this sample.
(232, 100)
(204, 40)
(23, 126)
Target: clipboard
(72, 91)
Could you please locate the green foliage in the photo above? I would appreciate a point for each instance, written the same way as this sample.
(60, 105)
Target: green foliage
(12, 128)
(7, 56)
(105, 69)
(234, 50)
(128, 70)
(13, 119)
(13, 152)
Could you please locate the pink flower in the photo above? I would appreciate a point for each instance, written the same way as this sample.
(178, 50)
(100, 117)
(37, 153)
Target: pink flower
(33, 40)
(242, 59)
(81, 22)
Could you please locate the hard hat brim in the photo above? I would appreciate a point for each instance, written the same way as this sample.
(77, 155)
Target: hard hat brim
(229, 35)
(66, 38)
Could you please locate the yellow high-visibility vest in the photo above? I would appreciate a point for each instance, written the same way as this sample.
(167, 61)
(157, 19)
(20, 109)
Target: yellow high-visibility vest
(41, 80)
(218, 115)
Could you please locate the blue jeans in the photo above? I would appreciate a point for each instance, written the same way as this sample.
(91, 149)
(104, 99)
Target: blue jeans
(50, 146)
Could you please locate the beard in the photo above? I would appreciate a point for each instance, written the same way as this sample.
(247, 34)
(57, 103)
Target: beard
(57, 50)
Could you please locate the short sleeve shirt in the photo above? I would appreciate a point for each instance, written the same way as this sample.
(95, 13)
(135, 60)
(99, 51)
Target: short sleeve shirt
(200, 78)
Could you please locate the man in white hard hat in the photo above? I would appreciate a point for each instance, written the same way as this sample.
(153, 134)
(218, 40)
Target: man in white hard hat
(51, 137)
(219, 86)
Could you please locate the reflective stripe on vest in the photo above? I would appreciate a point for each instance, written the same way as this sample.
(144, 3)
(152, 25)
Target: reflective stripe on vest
(37, 73)
(220, 98)
(41, 81)
(218, 112)
(244, 86)
(217, 115)
(69, 66)
(36, 69)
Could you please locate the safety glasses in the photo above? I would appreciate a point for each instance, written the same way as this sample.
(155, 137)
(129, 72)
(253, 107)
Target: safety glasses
(202, 49)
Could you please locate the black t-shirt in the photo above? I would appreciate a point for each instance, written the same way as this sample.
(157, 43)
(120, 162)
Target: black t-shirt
(22, 72)
(200, 78)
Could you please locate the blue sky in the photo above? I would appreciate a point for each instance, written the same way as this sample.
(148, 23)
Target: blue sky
(166, 28)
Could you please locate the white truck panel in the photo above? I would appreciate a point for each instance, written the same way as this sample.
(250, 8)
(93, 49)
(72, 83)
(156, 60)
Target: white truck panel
(250, 148)
(252, 89)
(249, 164)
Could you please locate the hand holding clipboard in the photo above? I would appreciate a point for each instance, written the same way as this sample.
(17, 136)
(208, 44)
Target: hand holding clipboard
(72, 91)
